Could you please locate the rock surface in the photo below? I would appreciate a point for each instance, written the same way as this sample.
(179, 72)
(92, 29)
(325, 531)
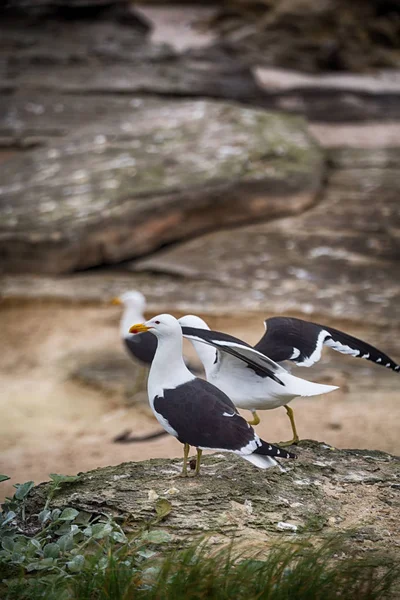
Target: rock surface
(154, 172)
(112, 55)
(325, 491)
(330, 35)
(339, 259)
(110, 374)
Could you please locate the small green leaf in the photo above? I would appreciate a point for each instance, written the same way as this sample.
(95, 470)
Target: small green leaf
(4, 478)
(32, 566)
(9, 516)
(51, 551)
(44, 516)
(118, 536)
(55, 514)
(68, 514)
(163, 508)
(8, 544)
(76, 564)
(83, 518)
(62, 478)
(64, 528)
(17, 558)
(21, 543)
(45, 563)
(88, 531)
(146, 553)
(158, 536)
(23, 489)
(66, 542)
(101, 530)
(36, 543)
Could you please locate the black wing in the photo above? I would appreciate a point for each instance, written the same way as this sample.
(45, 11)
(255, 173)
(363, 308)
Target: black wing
(262, 365)
(142, 347)
(301, 341)
(203, 416)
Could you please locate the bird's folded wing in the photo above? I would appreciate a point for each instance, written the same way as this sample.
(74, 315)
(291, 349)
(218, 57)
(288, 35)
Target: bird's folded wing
(203, 416)
(228, 344)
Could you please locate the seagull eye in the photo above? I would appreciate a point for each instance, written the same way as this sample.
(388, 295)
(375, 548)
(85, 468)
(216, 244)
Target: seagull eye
(157, 322)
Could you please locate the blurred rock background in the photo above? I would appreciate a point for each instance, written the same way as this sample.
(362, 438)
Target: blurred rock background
(230, 159)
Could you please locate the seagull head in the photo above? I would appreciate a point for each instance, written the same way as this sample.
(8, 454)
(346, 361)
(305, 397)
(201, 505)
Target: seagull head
(131, 299)
(193, 321)
(160, 326)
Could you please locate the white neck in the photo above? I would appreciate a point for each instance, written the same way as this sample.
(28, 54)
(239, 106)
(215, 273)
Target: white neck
(131, 316)
(168, 369)
(206, 353)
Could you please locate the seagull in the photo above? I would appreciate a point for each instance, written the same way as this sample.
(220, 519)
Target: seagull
(141, 347)
(252, 380)
(193, 410)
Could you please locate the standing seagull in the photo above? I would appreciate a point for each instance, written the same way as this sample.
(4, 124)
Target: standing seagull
(252, 380)
(193, 410)
(143, 347)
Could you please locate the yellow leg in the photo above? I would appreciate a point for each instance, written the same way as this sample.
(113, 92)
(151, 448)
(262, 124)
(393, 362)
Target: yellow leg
(255, 420)
(198, 460)
(296, 438)
(186, 449)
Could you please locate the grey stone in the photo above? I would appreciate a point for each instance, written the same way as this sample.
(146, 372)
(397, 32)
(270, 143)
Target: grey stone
(151, 172)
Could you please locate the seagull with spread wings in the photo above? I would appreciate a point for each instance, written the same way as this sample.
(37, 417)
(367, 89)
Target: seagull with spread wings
(237, 368)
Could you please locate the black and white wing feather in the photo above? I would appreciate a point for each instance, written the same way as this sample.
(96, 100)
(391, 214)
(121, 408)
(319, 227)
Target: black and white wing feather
(204, 417)
(261, 364)
(301, 342)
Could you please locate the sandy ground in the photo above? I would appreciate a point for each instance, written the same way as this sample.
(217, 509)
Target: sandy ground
(52, 424)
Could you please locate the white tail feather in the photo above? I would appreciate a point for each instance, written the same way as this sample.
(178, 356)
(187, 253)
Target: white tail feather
(301, 387)
(260, 461)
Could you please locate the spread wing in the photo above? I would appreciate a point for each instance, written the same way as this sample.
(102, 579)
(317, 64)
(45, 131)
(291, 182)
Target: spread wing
(262, 365)
(302, 342)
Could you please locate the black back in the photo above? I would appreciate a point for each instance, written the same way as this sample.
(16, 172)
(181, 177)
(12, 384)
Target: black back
(142, 347)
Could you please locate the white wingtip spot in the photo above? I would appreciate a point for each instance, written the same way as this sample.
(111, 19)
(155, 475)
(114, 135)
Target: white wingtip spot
(278, 451)
(387, 365)
(365, 355)
(378, 360)
(295, 354)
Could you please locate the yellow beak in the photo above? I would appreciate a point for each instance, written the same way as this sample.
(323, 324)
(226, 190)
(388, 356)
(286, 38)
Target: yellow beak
(116, 301)
(139, 328)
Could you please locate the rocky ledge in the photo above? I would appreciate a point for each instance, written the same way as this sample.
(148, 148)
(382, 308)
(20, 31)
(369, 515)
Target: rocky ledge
(325, 491)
